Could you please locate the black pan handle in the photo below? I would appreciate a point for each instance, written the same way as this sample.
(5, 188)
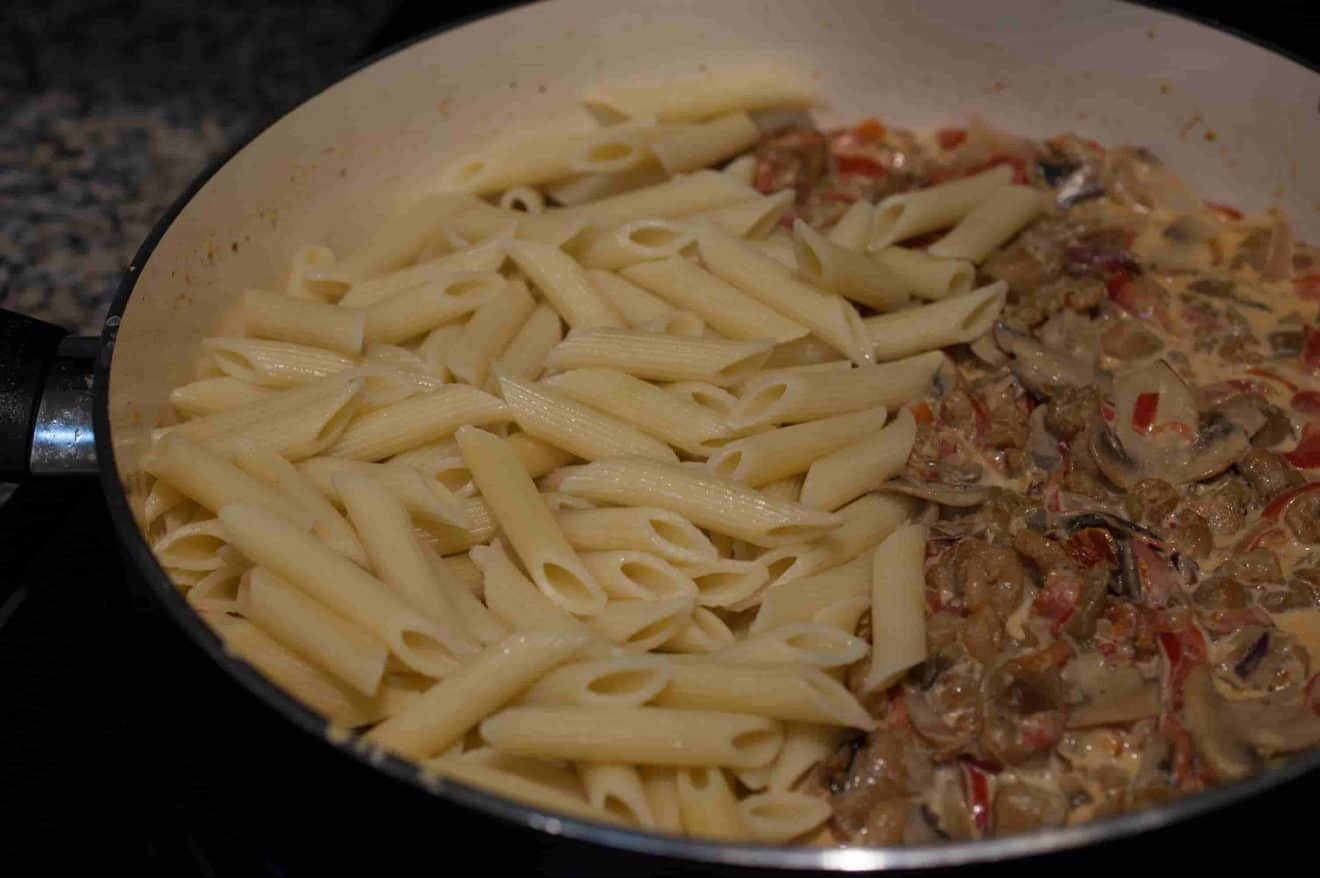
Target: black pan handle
(45, 399)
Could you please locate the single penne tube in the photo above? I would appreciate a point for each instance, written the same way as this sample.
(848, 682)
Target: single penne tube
(208, 396)
(637, 307)
(486, 222)
(661, 786)
(384, 385)
(805, 746)
(749, 86)
(713, 399)
(584, 432)
(466, 571)
(213, 482)
(742, 169)
(707, 805)
(480, 259)
(272, 542)
(853, 230)
(643, 529)
(908, 214)
(619, 681)
(806, 643)
(484, 337)
(635, 241)
(276, 364)
(264, 314)
(785, 692)
(861, 467)
(705, 500)
(335, 700)
(474, 617)
(160, 500)
(518, 788)
(705, 632)
(300, 431)
(398, 558)
(785, 397)
(866, 521)
(799, 600)
(594, 187)
(433, 349)
(785, 451)
(306, 259)
(537, 457)
(192, 547)
(415, 311)
(754, 219)
(564, 284)
(425, 500)
(280, 474)
(659, 357)
(521, 163)
(754, 780)
(788, 488)
(644, 624)
(955, 320)
(723, 306)
(397, 358)
(650, 409)
(337, 645)
(396, 242)
(529, 527)
(724, 582)
(481, 686)
(801, 352)
(678, 197)
(827, 315)
(524, 357)
(520, 605)
(549, 774)
(898, 606)
(925, 276)
(778, 248)
(522, 198)
(638, 735)
(559, 503)
(416, 421)
(683, 323)
(627, 574)
(849, 273)
(780, 816)
(992, 223)
(616, 788)
(685, 148)
(215, 592)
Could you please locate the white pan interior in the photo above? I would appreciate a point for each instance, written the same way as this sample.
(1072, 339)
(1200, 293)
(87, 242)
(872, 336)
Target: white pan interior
(1234, 120)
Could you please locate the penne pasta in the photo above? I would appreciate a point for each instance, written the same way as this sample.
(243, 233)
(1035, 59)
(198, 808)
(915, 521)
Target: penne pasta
(636, 306)
(417, 310)
(274, 316)
(396, 242)
(454, 705)
(805, 745)
(530, 528)
(308, 259)
(784, 692)
(635, 241)
(806, 643)
(704, 394)
(898, 606)
(681, 196)
(522, 198)
(724, 582)
(208, 396)
(925, 276)
(861, 467)
(619, 681)
(780, 816)
(525, 355)
(627, 574)
(484, 337)
(754, 219)
(707, 805)
(564, 284)
(655, 531)
(661, 787)
(853, 230)
(616, 788)
(642, 735)
(518, 788)
(908, 214)
(274, 364)
(482, 259)
(485, 222)
(425, 500)
(955, 320)
(417, 421)
(659, 357)
(683, 148)
(803, 599)
(594, 187)
(723, 306)
(704, 500)
(704, 632)
(849, 273)
(578, 429)
(786, 451)
(642, 624)
(826, 315)
(992, 223)
(192, 546)
(520, 605)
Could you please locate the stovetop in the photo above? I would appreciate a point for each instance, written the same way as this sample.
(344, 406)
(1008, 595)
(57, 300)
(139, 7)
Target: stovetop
(107, 754)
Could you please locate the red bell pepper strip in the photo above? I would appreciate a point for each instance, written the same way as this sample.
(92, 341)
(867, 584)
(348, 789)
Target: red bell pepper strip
(1143, 411)
(861, 166)
(1306, 402)
(1307, 453)
(951, 138)
(976, 788)
(1280, 503)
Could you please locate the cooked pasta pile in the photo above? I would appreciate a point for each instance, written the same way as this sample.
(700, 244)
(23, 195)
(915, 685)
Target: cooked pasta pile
(584, 504)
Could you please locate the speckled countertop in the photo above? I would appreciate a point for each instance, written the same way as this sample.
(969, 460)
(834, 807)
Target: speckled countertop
(109, 109)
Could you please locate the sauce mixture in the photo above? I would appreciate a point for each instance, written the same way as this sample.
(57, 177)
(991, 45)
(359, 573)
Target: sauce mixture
(1122, 581)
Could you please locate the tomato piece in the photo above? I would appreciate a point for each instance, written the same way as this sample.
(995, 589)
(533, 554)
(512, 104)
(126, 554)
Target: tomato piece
(1311, 349)
(1307, 287)
(870, 130)
(1183, 649)
(976, 789)
(1143, 411)
(1228, 212)
(951, 138)
(921, 412)
(861, 166)
(1091, 546)
(1306, 402)
(1117, 282)
(1307, 453)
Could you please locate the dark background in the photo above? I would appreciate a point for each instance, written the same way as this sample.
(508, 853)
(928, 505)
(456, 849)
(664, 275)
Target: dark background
(109, 750)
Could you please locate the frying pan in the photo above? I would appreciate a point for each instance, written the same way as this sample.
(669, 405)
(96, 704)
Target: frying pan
(1237, 121)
